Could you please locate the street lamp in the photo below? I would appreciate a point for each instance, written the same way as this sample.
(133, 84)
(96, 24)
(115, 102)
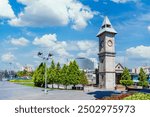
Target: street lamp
(45, 59)
(10, 73)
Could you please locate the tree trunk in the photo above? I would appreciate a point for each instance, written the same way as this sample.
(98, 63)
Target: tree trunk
(126, 87)
(83, 87)
(52, 86)
(66, 87)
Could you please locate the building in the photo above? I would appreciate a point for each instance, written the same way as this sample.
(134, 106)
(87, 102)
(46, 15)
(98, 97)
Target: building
(106, 55)
(85, 63)
(145, 68)
(135, 72)
(119, 70)
(88, 66)
(1, 75)
(27, 68)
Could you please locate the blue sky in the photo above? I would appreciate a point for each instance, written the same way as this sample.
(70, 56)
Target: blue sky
(68, 28)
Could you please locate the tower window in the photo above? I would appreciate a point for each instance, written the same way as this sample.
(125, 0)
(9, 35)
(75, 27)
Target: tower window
(108, 25)
(103, 26)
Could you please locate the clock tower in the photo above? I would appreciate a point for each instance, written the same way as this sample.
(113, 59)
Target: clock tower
(106, 55)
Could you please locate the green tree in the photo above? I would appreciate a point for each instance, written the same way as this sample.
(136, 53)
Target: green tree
(20, 73)
(83, 79)
(51, 74)
(74, 73)
(143, 78)
(126, 78)
(24, 73)
(65, 76)
(39, 76)
(58, 80)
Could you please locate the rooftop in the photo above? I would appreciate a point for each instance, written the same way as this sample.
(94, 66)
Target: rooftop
(106, 27)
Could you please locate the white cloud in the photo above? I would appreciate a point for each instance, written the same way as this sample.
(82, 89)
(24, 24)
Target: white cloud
(120, 59)
(88, 53)
(144, 17)
(84, 48)
(53, 13)
(6, 10)
(95, 61)
(139, 52)
(148, 27)
(46, 40)
(21, 41)
(8, 57)
(18, 66)
(12, 48)
(86, 44)
(50, 41)
(87, 48)
(124, 1)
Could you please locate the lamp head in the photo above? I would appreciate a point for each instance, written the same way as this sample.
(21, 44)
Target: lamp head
(39, 53)
(50, 55)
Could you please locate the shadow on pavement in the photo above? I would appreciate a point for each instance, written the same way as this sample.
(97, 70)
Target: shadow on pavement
(140, 90)
(101, 94)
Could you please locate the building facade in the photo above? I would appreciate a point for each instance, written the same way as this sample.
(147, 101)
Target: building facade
(106, 55)
(119, 70)
(87, 66)
(85, 63)
(145, 68)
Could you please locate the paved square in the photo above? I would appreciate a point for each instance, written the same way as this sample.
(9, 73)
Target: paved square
(11, 91)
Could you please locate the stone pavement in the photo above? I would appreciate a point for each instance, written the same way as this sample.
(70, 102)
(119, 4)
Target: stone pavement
(11, 91)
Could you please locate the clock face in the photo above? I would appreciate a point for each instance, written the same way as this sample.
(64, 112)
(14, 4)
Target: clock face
(109, 43)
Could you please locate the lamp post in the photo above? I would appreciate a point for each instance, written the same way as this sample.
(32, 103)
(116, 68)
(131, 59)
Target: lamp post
(10, 73)
(45, 59)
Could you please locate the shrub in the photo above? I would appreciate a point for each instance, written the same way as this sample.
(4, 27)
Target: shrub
(126, 82)
(138, 96)
(142, 78)
(118, 97)
(126, 78)
(143, 83)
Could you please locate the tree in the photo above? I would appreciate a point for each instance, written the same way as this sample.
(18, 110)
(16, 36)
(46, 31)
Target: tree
(65, 76)
(74, 73)
(58, 80)
(39, 76)
(83, 79)
(24, 73)
(126, 78)
(51, 74)
(143, 78)
(6, 74)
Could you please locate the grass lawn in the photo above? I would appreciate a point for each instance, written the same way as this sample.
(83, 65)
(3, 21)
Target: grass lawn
(23, 82)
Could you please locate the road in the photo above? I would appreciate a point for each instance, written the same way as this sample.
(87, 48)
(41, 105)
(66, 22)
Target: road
(11, 91)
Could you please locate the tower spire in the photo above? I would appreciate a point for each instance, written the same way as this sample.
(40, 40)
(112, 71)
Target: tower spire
(106, 21)
(106, 27)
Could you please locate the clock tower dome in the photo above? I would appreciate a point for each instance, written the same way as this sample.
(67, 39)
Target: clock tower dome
(106, 55)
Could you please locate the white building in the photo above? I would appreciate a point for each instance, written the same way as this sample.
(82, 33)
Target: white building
(27, 68)
(145, 68)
